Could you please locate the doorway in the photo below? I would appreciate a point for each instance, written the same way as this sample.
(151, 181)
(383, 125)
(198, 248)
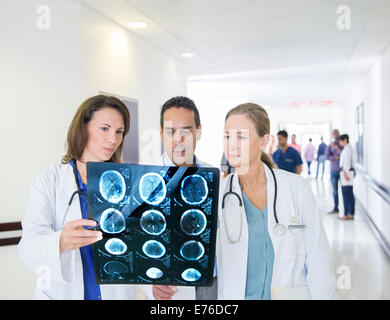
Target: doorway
(305, 131)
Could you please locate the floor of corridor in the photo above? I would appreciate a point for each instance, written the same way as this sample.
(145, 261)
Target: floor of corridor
(356, 251)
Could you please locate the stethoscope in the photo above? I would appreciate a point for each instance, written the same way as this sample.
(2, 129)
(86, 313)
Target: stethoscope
(78, 191)
(279, 229)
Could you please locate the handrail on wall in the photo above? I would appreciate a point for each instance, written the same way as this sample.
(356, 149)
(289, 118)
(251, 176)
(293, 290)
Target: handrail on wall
(10, 226)
(379, 188)
(382, 190)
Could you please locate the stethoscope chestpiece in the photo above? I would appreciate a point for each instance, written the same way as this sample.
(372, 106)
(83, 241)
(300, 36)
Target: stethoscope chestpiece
(279, 229)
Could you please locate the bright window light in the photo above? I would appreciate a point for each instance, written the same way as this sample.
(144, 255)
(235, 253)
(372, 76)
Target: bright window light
(138, 24)
(187, 55)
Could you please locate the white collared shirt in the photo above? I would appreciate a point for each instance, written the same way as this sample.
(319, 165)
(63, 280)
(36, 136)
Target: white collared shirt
(166, 161)
(346, 164)
(346, 158)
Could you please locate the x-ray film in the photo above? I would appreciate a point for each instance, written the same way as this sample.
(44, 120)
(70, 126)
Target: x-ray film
(158, 223)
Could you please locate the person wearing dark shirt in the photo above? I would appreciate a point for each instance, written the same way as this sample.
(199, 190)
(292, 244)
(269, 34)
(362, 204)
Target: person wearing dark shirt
(287, 158)
(321, 157)
(332, 154)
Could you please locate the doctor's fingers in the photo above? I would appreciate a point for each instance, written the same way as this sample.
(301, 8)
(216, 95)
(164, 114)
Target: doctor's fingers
(82, 233)
(73, 239)
(164, 292)
(75, 243)
(80, 223)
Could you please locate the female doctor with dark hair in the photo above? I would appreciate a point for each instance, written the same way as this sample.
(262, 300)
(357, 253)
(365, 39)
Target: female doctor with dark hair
(270, 243)
(55, 244)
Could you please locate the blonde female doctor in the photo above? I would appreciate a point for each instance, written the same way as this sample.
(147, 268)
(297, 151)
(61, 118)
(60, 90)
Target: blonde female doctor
(270, 243)
(55, 244)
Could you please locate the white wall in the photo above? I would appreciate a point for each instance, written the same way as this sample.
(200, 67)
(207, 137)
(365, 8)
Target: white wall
(40, 83)
(374, 92)
(119, 62)
(44, 77)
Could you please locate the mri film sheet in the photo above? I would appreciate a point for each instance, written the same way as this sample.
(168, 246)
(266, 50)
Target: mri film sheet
(159, 223)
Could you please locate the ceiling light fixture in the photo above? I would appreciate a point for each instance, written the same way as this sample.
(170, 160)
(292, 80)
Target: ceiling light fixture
(187, 55)
(138, 24)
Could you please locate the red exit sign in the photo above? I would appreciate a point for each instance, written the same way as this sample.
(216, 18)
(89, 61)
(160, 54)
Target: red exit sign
(310, 104)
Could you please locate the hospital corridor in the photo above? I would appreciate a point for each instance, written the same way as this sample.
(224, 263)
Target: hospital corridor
(195, 150)
(352, 243)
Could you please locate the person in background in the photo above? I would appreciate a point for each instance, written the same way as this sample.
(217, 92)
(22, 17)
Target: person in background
(309, 155)
(286, 157)
(347, 173)
(271, 146)
(332, 154)
(321, 157)
(226, 169)
(294, 144)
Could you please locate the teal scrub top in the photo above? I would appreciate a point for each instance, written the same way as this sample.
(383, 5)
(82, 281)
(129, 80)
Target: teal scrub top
(260, 253)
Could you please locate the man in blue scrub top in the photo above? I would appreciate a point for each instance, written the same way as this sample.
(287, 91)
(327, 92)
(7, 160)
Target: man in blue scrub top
(287, 158)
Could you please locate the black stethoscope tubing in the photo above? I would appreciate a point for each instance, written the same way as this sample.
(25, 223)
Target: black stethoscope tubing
(78, 191)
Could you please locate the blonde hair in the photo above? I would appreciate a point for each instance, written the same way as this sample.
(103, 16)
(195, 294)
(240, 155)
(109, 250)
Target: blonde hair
(261, 121)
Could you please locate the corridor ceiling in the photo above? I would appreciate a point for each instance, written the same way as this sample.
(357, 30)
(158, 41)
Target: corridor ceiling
(287, 41)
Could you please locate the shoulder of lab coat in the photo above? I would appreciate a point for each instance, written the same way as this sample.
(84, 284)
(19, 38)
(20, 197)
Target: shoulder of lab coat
(39, 246)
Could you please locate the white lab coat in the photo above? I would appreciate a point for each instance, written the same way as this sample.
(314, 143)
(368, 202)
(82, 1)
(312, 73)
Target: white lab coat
(346, 164)
(302, 258)
(60, 276)
(183, 293)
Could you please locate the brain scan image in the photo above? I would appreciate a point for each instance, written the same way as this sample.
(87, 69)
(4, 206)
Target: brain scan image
(153, 222)
(154, 273)
(115, 246)
(152, 188)
(112, 186)
(115, 268)
(192, 250)
(153, 249)
(194, 189)
(191, 275)
(159, 223)
(112, 221)
(193, 222)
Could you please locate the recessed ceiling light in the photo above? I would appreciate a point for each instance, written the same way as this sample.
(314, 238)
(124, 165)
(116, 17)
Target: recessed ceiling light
(187, 55)
(138, 24)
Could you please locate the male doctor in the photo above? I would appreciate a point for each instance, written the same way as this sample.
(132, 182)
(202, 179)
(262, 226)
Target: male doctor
(180, 129)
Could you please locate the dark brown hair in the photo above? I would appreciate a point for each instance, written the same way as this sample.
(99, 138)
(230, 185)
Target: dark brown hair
(180, 102)
(77, 137)
(261, 121)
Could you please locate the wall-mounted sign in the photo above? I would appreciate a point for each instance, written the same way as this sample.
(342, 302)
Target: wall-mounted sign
(310, 104)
